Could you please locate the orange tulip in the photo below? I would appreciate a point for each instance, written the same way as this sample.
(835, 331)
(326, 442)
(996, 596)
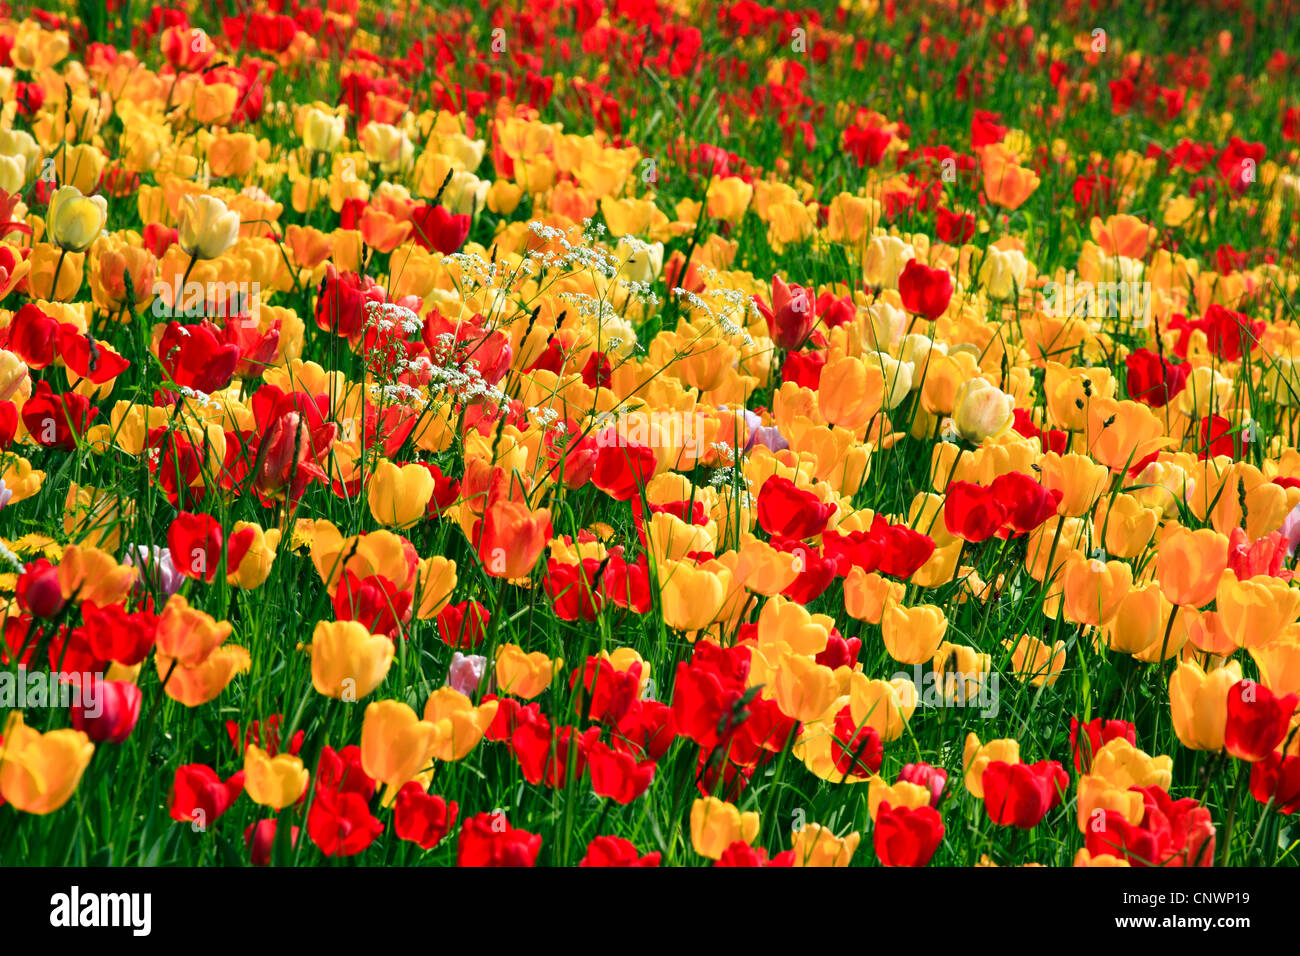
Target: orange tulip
(1189, 564)
(511, 538)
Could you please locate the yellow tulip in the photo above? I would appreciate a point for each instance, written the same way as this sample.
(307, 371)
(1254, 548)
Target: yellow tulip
(39, 772)
(395, 744)
(716, 825)
(397, 496)
(913, 634)
(275, 782)
(347, 661)
(522, 674)
(460, 724)
(1199, 703)
(74, 220)
(814, 845)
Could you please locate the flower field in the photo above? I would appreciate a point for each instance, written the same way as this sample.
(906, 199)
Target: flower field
(650, 433)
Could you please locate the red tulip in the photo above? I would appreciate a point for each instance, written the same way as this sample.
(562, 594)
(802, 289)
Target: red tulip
(925, 291)
(792, 315)
(1277, 778)
(436, 228)
(972, 512)
(197, 356)
(82, 354)
(487, 839)
(260, 839)
(38, 589)
(616, 851)
(1027, 503)
(55, 421)
(1019, 794)
(787, 511)
(856, 749)
(196, 542)
(115, 714)
(1172, 833)
(622, 468)
(422, 818)
(907, 837)
(618, 775)
(1152, 379)
(1095, 734)
(199, 796)
(1258, 720)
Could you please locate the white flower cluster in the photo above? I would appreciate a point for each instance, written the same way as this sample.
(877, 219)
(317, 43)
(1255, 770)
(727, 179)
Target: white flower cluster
(386, 315)
(731, 299)
(466, 384)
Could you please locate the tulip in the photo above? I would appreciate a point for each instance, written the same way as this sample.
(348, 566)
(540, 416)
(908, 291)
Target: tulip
(1253, 612)
(1094, 591)
(1087, 739)
(1276, 778)
(207, 227)
(1035, 661)
(114, 711)
(907, 836)
(39, 591)
(850, 393)
(422, 818)
(1020, 795)
(347, 661)
(322, 132)
(814, 845)
(1199, 703)
(260, 839)
(91, 574)
(1279, 662)
(395, 744)
(913, 634)
(203, 682)
(1123, 526)
(1257, 721)
(39, 772)
(522, 674)
(716, 825)
(981, 411)
(1079, 479)
(74, 220)
(198, 796)
(886, 706)
(460, 724)
(399, 496)
(275, 782)
(867, 595)
(925, 291)
(691, 597)
(933, 779)
(904, 793)
(487, 839)
(1189, 564)
(802, 688)
(466, 672)
(510, 538)
(977, 757)
(188, 634)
